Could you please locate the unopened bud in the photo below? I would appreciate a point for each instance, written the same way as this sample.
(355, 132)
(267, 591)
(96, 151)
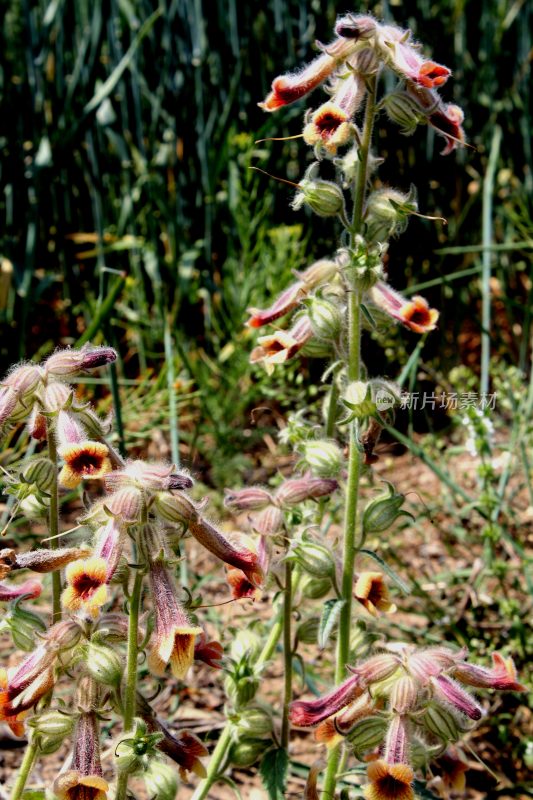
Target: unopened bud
(41, 472)
(358, 399)
(403, 695)
(315, 588)
(441, 723)
(366, 263)
(51, 728)
(43, 561)
(246, 752)
(24, 625)
(254, 723)
(246, 642)
(24, 380)
(8, 402)
(307, 632)
(269, 521)
(314, 559)
(319, 273)
(126, 503)
(174, 508)
(34, 506)
(161, 781)
(249, 499)
(381, 512)
(323, 457)
(87, 694)
(325, 198)
(355, 26)
(387, 213)
(325, 317)
(367, 734)
(37, 424)
(317, 348)
(104, 664)
(56, 396)
(297, 490)
(66, 363)
(403, 110)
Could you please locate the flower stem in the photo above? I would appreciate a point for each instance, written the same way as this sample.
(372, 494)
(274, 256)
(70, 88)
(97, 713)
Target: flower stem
(25, 770)
(222, 746)
(130, 694)
(287, 655)
(53, 521)
(354, 458)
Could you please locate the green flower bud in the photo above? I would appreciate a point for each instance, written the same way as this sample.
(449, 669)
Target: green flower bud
(325, 198)
(254, 723)
(41, 472)
(307, 632)
(34, 507)
(381, 512)
(316, 348)
(23, 625)
(246, 642)
(325, 317)
(441, 723)
(367, 734)
(54, 724)
(314, 559)
(357, 398)
(175, 508)
(315, 588)
(366, 263)
(104, 664)
(161, 781)
(323, 457)
(387, 213)
(403, 111)
(246, 752)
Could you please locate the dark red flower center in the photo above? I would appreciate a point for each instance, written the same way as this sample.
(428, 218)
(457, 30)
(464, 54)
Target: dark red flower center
(85, 585)
(390, 787)
(328, 123)
(86, 463)
(420, 316)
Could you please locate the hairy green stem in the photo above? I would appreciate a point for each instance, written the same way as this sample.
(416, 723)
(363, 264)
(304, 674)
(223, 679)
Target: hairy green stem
(287, 655)
(220, 752)
(53, 524)
(26, 767)
(354, 458)
(130, 693)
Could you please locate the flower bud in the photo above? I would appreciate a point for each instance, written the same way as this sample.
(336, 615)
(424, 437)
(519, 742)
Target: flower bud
(323, 457)
(325, 317)
(24, 379)
(387, 212)
(254, 723)
(315, 559)
(269, 521)
(104, 664)
(316, 348)
(241, 690)
(307, 632)
(403, 695)
(358, 399)
(319, 273)
(24, 625)
(297, 490)
(41, 472)
(441, 723)
(356, 26)
(383, 511)
(252, 498)
(246, 642)
(51, 728)
(56, 396)
(161, 781)
(67, 363)
(126, 503)
(49, 560)
(367, 734)
(8, 402)
(37, 424)
(34, 506)
(246, 752)
(403, 110)
(325, 198)
(315, 588)
(175, 508)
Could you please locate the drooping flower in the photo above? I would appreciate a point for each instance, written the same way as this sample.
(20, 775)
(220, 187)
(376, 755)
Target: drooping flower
(242, 558)
(151, 477)
(84, 781)
(403, 57)
(86, 589)
(389, 781)
(450, 769)
(415, 314)
(333, 729)
(210, 652)
(502, 676)
(174, 637)
(287, 301)
(14, 721)
(84, 458)
(241, 585)
(445, 118)
(331, 125)
(372, 592)
(307, 713)
(30, 589)
(278, 347)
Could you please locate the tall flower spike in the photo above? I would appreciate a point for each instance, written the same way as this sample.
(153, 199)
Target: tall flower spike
(84, 781)
(174, 637)
(415, 314)
(86, 589)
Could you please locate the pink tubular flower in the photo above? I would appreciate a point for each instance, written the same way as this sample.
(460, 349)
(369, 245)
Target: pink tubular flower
(280, 346)
(449, 691)
(287, 301)
(30, 588)
(154, 477)
(502, 676)
(297, 490)
(174, 637)
(307, 713)
(253, 498)
(84, 781)
(243, 559)
(330, 126)
(66, 363)
(445, 118)
(415, 314)
(109, 546)
(404, 58)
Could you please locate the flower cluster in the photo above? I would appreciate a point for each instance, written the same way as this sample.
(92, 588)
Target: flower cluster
(403, 707)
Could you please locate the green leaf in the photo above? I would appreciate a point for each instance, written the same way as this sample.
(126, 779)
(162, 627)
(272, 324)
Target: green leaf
(330, 616)
(402, 586)
(273, 769)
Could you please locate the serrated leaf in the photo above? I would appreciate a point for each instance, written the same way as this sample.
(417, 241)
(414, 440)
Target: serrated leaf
(402, 586)
(273, 770)
(328, 620)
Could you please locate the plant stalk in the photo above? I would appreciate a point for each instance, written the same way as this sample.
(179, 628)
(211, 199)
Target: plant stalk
(354, 458)
(287, 655)
(25, 770)
(53, 522)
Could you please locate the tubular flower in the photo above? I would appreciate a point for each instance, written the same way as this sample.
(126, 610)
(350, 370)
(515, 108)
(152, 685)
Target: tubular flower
(280, 346)
(286, 301)
(445, 118)
(154, 477)
(243, 559)
(44, 560)
(30, 588)
(307, 713)
(449, 691)
(404, 58)
(241, 586)
(84, 781)
(332, 730)
(330, 126)
(372, 592)
(109, 545)
(451, 771)
(415, 314)
(86, 460)
(66, 363)
(502, 676)
(86, 589)
(15, 721)
(174, 637)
